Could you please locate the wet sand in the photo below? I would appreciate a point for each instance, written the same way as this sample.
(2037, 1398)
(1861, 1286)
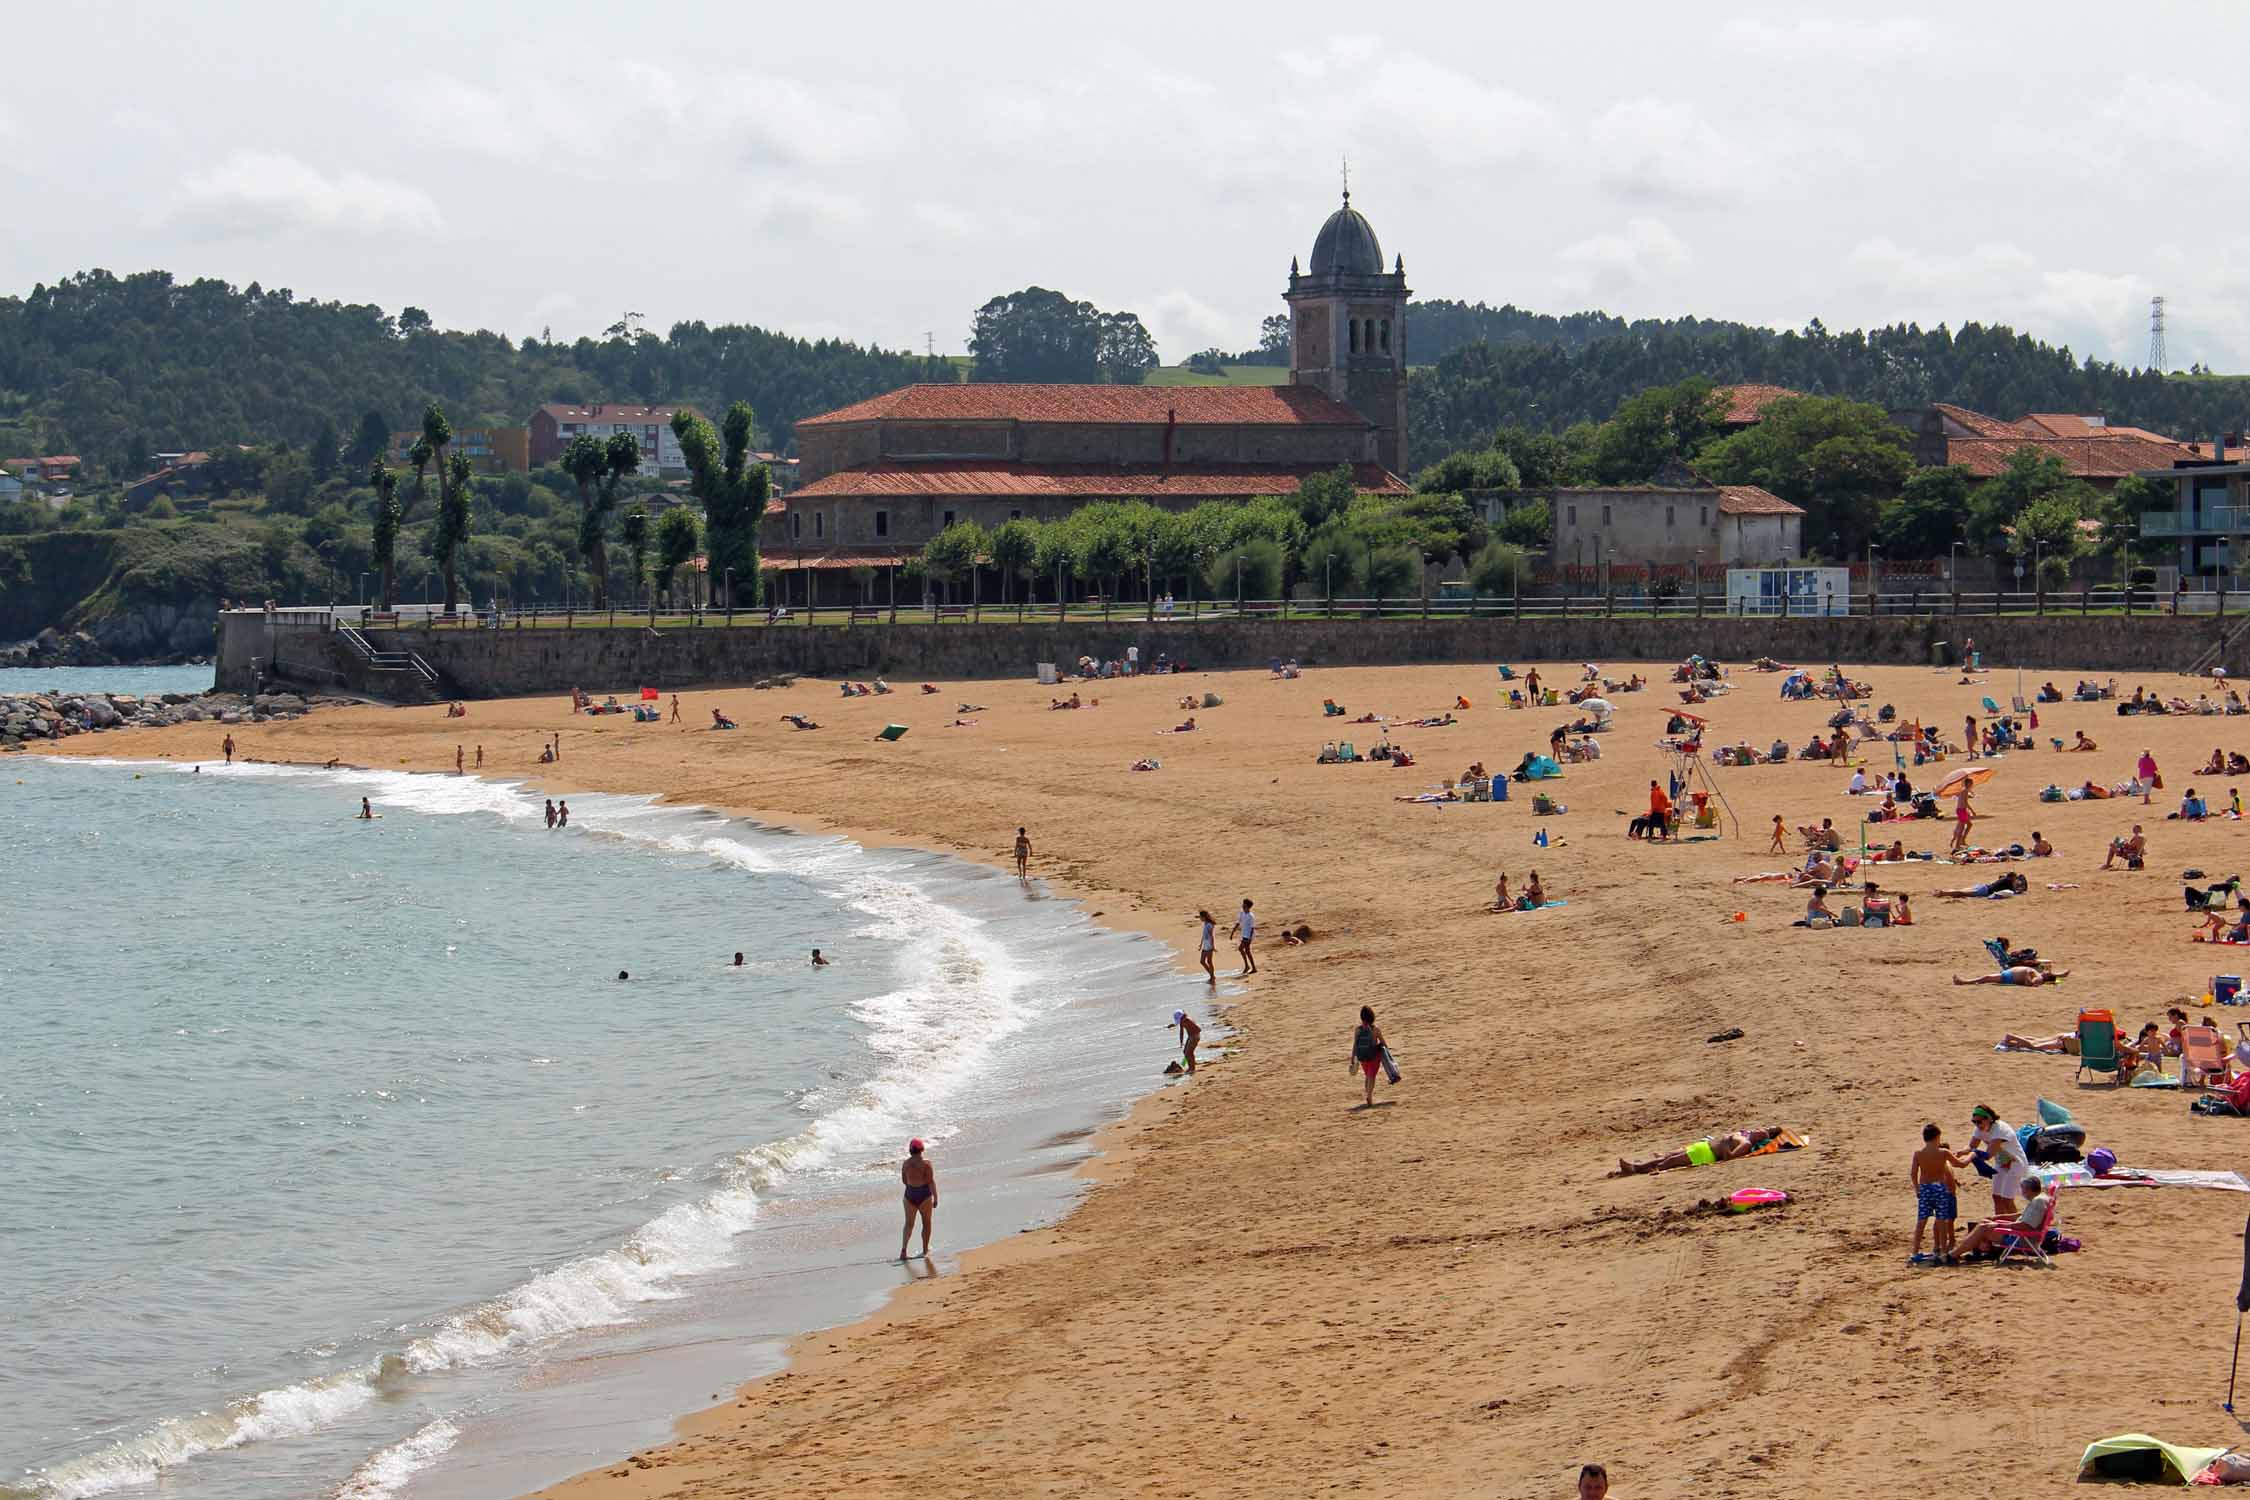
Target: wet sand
(1271, 1292)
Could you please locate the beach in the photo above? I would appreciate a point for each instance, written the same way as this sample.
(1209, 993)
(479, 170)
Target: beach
(1271, 1292)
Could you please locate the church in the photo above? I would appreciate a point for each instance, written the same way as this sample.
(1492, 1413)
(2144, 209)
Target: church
(882, 476)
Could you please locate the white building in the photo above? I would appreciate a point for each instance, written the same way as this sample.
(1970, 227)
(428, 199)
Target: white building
(554, 426)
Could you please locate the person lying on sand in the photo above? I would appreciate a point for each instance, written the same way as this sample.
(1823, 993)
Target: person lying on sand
(2065, 1043)
(2024, 974)
(1071, 702)
(1712, 1148)
(799, 721)
(2014, 885)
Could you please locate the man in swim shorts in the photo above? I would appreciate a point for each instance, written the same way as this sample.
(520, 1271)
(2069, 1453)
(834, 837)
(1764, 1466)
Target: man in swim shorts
(2023, 974)
(1728, 1147)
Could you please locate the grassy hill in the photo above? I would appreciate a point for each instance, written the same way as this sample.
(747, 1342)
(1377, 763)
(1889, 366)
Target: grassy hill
(1235, 375)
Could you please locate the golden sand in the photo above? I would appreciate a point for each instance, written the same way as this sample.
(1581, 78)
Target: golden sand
(1269, 1292)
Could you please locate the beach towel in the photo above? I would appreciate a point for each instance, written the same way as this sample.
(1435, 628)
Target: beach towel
(2077, 1175)
(1788, 1140)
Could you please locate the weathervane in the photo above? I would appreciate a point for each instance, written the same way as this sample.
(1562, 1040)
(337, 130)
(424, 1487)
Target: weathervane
(1347, 179)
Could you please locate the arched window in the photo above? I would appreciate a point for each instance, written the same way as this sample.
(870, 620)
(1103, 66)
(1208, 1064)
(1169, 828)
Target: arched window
(1355, 335)
(1386, 335)
(1367, 339)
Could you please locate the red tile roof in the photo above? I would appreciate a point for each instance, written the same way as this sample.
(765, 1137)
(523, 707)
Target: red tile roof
(2110, 457)
(2064, 424)
(1081, 481)
(1147, 405)
(1749, 500)
(1980, 425)
(1747, 403)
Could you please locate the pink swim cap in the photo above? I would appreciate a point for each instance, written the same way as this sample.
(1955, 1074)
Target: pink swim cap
(914, 1145)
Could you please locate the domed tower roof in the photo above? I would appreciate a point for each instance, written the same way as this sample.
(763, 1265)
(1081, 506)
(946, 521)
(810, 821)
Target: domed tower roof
(1346, 245)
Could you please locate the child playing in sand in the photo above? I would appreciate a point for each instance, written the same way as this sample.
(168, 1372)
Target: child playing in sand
(1934, 1197)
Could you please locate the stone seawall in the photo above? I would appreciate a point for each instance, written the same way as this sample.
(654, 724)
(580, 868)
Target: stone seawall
(478, 663)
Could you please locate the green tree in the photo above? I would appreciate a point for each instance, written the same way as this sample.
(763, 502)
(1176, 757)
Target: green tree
(733, 493)
(1529, 524)
(1249, 570)
(1543, 460)
(1335, 561)
(421, 456)
(1666, 421)
(1468, 472)
(389, 516)
(1839, 459)
(678, 538)
(1012, 545)
(2028, 477)
(371, 442)
(1391, 571)
(1042, 335)
(323, 455)
(638, 540)
(1324, 496)
(1929, 516)
(452, 528)
(585, 461)
(1273, 341)
(2120, 513)
(1501, 568)
(952, 554)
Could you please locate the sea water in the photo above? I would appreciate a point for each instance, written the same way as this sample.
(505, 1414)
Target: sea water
(141, 682)
(337, 1159)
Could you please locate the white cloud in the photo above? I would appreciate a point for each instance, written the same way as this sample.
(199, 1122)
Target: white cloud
(1606, 264)
(633, 112)
(1655, 149)
(2097, 312)
(1361, 89)
(268, 191)
(1812, 38)
(1183, 324)
(2173, 112)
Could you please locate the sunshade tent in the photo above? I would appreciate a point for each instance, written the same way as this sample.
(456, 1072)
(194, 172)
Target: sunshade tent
(2136, 1455)
(1966, 776)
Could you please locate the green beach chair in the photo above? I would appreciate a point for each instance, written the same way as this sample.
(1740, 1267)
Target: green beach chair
(1991, 708)
(1346, 752)
(2097, 1047)
(891, 731)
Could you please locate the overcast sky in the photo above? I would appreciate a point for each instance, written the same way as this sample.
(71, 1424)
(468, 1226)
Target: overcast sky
(876, 171)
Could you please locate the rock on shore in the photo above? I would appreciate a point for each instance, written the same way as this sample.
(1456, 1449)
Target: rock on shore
(61, 715)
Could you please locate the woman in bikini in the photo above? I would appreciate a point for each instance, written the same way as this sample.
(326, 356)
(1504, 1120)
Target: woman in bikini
(1367, 1053)
(921, 1196)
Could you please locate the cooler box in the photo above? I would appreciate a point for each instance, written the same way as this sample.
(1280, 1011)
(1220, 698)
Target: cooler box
(2226, 989)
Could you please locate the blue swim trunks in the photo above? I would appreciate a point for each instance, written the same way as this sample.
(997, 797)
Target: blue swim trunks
(1934, 1200)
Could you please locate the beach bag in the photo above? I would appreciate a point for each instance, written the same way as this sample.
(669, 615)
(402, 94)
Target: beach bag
(1390, 1068)
(2212, 1104)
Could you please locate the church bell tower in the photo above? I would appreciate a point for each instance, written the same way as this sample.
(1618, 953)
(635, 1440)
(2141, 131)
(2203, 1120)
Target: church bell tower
(1347, 328)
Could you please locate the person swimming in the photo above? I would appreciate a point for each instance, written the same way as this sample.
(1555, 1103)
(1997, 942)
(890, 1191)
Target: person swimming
(817, 961)
(738, 960)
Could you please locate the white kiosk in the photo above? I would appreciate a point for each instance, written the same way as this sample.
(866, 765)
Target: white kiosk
(1789, 591)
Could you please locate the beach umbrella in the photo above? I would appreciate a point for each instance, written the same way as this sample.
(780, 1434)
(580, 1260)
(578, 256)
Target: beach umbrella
(1966, 776)
(1596, 705)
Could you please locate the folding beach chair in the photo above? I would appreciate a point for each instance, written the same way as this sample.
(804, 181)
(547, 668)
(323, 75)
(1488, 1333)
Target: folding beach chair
(2097, 1045)
(1346, 752)
(2021, 706)
(1991, 708)
(2203, 1054)
(2029, 1244)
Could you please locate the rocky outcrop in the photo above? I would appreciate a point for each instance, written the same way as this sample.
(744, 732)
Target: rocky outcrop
(53, 648)
(159, 631)
(60, 715)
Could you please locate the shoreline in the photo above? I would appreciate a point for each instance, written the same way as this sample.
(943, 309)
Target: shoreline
(795, 1350)
(1450, 1293)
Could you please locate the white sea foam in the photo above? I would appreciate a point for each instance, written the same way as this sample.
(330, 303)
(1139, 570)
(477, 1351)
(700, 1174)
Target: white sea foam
(960, 993)
(388, 1471)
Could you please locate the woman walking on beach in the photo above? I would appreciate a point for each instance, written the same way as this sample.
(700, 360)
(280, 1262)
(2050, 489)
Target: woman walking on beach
(920, 1179)
(1206, 943)
(1367, 1053)
(2145, 771)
